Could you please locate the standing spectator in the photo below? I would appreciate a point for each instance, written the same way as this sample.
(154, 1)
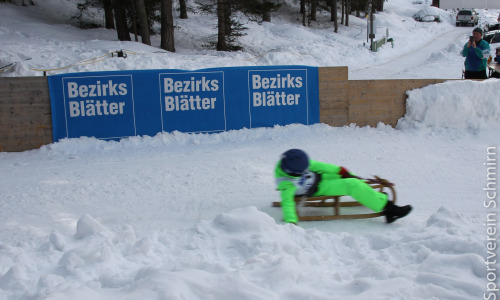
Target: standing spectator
(476, 53)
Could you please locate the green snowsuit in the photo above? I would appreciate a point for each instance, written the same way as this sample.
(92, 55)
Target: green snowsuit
(323, 179)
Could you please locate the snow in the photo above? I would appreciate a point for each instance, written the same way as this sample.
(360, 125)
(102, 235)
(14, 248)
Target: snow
(189, 216)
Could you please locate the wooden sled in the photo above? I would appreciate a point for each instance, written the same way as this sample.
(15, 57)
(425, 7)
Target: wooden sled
(377, 183)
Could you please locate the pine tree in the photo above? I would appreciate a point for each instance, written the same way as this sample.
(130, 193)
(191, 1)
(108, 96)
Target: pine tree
(108, 14)
(143, 22)
(167, 26)
(183, 9)
(119, 8)
(333, 13)
(222, 21)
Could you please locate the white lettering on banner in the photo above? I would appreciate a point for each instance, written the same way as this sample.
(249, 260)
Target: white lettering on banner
(185, 103)
(91, 108)
(271, 98)
(278, 82)
(96, 90)
(189, 86)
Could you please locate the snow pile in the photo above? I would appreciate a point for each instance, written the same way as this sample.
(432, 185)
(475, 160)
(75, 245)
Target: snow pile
(244, 254)
(461, 105)
(188, 216)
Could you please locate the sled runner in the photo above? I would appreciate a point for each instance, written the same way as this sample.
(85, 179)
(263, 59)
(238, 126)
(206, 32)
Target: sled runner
(377, 183)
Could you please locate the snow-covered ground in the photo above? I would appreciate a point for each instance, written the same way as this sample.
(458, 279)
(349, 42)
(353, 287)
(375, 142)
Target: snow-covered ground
(37, 39)
(188, 216)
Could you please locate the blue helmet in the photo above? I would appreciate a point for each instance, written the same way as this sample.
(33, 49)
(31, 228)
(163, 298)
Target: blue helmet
(294, 162)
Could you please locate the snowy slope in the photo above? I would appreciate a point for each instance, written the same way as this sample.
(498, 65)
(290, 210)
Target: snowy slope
(37, 39)
(188, 216)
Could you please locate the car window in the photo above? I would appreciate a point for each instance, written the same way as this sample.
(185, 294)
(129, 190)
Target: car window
(465, 12)
(496, 38)
(492, 38)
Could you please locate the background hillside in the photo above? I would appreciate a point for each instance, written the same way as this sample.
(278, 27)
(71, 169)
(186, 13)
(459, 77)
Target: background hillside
(40, 38)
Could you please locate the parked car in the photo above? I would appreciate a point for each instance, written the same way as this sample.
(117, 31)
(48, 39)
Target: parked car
(492, 27)
(428, 14)
(492, 37)
(495, 46)
(467, 17)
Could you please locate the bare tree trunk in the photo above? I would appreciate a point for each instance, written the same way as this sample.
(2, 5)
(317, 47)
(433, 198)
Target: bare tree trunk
(347, 11)
(183, 8)
(266, 14)
(121, 21)
(143, 22)
(134, 25)
(221, 26)
(331, 3)
(227, 17)
(334, 15)
(314, 4)
(342, 13)
(303, 10)
(108, 14)
(353, 7)
(167, 26)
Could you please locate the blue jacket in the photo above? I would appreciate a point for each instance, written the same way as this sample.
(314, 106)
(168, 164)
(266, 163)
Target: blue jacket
(476, 59)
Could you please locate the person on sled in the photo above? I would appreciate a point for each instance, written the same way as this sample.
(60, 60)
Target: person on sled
(297, 175)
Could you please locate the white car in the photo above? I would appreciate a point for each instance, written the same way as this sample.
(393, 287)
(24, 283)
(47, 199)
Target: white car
(467, 17)
(428, 14)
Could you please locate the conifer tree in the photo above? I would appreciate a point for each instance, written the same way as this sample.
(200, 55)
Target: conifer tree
(167, 26)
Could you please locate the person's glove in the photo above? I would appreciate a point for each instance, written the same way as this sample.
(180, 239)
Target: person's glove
(345, 173)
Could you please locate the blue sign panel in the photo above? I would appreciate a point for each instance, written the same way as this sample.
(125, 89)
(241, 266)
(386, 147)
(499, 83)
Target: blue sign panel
(278, 95)
(111, 105)
(192, 102)
(107, 102)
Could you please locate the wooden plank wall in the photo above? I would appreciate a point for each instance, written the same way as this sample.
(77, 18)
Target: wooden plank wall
(374, 101)
(25, 116)
(333, 96)
(363, 102)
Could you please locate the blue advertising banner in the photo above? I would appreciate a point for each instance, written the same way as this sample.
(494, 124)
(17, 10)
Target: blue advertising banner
(117, 104)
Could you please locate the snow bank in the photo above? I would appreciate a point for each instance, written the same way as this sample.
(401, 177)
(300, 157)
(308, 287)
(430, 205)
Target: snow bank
(461, 105)
(244, 254)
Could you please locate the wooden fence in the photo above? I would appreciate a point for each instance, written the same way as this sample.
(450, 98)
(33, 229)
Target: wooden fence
(26, 123)
(25, 117)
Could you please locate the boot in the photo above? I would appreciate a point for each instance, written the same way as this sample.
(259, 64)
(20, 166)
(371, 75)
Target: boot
(393, 212)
